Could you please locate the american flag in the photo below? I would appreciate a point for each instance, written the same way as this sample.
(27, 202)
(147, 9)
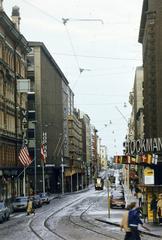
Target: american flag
(24, 156)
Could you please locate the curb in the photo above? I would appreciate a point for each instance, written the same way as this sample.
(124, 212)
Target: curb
(118, 225)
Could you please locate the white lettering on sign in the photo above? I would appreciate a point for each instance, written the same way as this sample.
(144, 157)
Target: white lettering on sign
(143, 145)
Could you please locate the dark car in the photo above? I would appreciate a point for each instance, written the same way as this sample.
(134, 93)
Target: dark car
(37, 202)
(44, 197)
(20, 203)
(117, 200)
(4, 212)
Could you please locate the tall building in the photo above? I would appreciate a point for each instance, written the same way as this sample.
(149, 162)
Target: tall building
(87, 148)
(150, 36)
(13, 51)
(74, 174)
(48, 109)
(103, 157)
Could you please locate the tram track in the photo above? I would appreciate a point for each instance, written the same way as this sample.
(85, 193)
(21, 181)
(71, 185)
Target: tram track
(54, 234)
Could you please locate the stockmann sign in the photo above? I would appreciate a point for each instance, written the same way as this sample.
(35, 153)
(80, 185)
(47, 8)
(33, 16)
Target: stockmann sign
(141, 146)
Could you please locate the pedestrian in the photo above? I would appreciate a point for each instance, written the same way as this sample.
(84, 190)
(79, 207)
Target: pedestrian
(124, 222)
(159, 208)
(139, 196)
(133, 222)
(30, 208)
(144, 211)
(131, 188)
(153, 207)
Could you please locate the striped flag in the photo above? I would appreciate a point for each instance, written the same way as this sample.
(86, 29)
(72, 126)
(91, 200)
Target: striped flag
(24, 156)
(43, 157)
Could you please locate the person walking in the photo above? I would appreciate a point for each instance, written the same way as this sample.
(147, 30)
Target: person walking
(159, 208)
(133, 222)
(139, 196)
(30, 208)
(153, 206)
(124, 222)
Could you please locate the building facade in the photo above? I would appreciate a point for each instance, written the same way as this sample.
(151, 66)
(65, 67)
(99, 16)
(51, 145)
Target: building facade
(48, 109)
(13, 51)
(150, 37)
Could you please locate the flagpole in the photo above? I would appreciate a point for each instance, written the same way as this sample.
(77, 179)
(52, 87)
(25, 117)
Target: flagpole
(24, 192)
(43, 177)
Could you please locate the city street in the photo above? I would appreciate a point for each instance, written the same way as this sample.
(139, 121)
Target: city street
(68, 217)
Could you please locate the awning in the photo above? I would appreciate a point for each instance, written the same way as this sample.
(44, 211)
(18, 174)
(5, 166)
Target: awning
(69, 172)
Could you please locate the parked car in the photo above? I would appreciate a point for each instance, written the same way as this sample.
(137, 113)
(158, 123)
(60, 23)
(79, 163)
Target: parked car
(4, 212)
(37, 202)
(44, 197)
(117, 200)
(20, 203)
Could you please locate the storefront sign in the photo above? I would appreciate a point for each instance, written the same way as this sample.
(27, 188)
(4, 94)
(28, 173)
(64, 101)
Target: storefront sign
(143, 146)
(149, 176)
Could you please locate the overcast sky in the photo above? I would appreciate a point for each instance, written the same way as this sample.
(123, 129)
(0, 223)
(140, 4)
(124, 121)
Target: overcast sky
(105, 46)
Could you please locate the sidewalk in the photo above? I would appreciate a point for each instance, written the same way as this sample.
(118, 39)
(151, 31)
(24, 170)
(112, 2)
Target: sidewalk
(116, 215)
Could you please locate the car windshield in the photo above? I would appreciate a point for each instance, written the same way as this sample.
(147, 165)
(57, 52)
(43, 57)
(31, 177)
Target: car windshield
(1, 205)
(36, 197)
(21, 199)
(118, 198)
(43, 195)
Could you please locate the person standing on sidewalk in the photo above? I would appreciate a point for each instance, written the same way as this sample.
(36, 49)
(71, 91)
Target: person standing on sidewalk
(139, 196)
(133, 222)
(124, 222)
(153, 206)
(159, 208)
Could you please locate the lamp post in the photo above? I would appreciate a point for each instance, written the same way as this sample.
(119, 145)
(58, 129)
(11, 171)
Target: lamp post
(108, 194)
(62, 172)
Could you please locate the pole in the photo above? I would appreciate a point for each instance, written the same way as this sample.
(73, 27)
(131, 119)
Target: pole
(108, 197)
(35, 158)
(108, 194)
(24, 192)
(62, 174)
(43, 177)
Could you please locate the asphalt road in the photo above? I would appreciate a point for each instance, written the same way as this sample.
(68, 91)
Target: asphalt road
(69, 217)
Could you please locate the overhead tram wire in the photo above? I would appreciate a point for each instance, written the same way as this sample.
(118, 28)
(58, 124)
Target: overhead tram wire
(64, 21)
(41, 10)
(92, 56)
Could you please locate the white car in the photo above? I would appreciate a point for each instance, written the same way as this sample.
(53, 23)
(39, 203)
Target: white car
(20, 203)
(4, 212)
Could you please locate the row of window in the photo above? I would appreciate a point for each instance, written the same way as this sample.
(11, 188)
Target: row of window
(7, 156)
(7, 55)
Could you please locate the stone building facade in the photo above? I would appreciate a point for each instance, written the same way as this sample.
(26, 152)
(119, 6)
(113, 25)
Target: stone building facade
(13, 51)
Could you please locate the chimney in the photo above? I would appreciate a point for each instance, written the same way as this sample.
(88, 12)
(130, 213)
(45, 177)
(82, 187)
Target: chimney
(1, 5)
(16, 17)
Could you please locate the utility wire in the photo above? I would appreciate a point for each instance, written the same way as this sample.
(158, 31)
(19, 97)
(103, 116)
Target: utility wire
(42, 11)
(93, 56)
(71, 43)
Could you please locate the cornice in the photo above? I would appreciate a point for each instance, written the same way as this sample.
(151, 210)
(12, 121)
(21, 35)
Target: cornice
(12, 32)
